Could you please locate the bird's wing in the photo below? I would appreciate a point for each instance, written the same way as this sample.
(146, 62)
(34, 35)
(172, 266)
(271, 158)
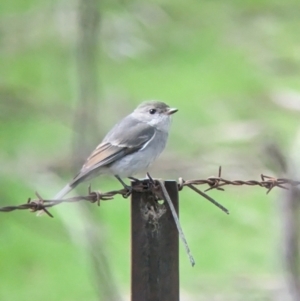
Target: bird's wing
(104, 154)
(126, 137)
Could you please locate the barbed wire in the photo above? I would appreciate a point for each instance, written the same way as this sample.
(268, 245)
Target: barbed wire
(157, 187)
(153, 185)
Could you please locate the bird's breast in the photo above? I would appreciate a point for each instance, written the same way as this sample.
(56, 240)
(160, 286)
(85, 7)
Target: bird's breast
(140, 160)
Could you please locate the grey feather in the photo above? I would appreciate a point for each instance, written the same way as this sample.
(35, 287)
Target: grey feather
(139, 133)
(130, 146)
(63, 192)
(126, 137)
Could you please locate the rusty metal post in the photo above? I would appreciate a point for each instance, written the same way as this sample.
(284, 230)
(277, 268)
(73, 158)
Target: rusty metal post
(154, 242)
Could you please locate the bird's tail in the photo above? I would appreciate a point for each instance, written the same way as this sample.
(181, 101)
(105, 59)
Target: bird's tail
(63, 192)
(58, 196)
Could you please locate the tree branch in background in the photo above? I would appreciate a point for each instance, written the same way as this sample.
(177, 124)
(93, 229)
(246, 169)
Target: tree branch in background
(86, 117)
(86, 129)
(289, 210)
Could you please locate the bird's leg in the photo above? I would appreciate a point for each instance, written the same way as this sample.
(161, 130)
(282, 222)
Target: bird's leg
(127, 187)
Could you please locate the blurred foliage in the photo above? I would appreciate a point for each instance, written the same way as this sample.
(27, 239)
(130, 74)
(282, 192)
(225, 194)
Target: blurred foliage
(229, 66)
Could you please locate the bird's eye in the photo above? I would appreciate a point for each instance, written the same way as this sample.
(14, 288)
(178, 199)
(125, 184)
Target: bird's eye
(152, 111)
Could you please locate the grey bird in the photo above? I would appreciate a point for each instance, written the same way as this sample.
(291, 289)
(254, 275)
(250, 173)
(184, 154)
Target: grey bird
(130, 146)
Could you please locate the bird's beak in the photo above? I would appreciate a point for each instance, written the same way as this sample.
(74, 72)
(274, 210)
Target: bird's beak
(171, 111)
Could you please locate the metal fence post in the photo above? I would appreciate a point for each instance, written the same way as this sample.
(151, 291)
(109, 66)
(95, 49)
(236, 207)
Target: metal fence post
(154, 243)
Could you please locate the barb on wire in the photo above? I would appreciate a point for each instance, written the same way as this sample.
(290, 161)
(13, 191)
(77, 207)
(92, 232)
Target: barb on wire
(41, 204)
(217, 183)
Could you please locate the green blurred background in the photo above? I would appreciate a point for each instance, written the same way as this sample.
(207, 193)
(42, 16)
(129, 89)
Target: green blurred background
(231, 68)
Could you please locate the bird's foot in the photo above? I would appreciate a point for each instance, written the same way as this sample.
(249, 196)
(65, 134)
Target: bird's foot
(134, 179)
(144, 184)
(128, 191)
(127, 188)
